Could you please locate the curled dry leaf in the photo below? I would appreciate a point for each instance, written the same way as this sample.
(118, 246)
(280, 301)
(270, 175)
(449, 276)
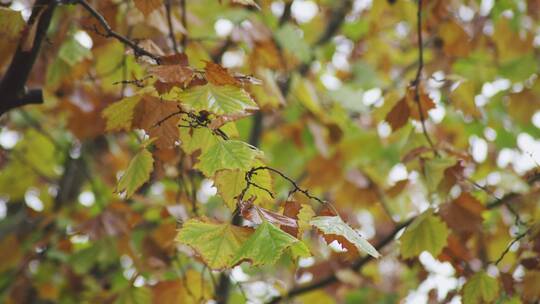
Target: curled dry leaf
(258, 214)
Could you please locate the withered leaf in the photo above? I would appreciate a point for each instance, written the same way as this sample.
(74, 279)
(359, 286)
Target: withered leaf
(399, 115)
(218, 75)
(157, 117)
(464, 214)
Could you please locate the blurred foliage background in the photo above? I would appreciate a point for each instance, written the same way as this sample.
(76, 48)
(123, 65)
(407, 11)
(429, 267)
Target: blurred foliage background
(415, 122)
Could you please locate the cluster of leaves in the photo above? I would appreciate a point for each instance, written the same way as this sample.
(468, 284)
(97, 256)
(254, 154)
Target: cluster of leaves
(189, 151)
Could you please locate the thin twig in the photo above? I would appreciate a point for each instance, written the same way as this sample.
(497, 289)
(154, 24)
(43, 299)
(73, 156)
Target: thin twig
(416, 82)
(507, 249)
(332, 278)
(356, 266)
(170, 25)
(184, 40)
(139, 51)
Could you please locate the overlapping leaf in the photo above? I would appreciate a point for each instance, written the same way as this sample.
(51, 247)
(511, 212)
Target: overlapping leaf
(216, 243)
(225, 99)
(334, 225)
(480, 288)
(137, 173)
(426, 233)
(266, 245)
(230, 154)
(119, 115)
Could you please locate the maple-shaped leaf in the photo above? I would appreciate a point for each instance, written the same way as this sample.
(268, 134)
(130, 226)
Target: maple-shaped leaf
(480, 288)
(119, 115)
(219, 100)
(147, 6)
(464, 214)
(230, 154)
(334, 225)
(265, 246)
(230, 183)
(216, 243)
(426, 233)
(137, 173)
(218, 75)
(159, 119)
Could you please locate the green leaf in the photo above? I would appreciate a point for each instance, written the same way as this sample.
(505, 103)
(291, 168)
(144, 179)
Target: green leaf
(215, 243)
(11, 27)
(290, 38)
(137, 173)
(219, 100)
(197, 139)
(134, 295)
(231, 182)
(434, 171)
(480, 288)
(299, 250)
(72, 52)
(335, 225)
(230, 154)
(119, 115)
(265, 246)
(426, 233)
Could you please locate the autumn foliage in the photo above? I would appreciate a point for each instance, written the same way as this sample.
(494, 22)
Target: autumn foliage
(259, 151)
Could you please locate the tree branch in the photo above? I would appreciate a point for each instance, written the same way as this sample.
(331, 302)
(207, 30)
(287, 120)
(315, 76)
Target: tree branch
(12, 87)
(184, 40)
(109, 32)
(416, 82)
(170, 25)
(356, 266)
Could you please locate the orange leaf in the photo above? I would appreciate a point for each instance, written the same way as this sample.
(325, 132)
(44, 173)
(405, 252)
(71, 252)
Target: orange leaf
(464, 214)
(399, 115)
(150, 116)
(218, 75)
(425, 102)
(147, 6)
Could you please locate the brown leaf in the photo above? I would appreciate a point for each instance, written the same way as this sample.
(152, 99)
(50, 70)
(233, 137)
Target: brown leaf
(507, 282)
(464, 214)
(147, 6)
(291, 210)
(456, 40)
(150, 115)
(352, 251)
(256, 214)
(531, 292)
(168, 292)
(173, 74)
(223, 119)
(174, 59)
(399, 115)
(455, 252)
(425, 102)
(218, 75)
